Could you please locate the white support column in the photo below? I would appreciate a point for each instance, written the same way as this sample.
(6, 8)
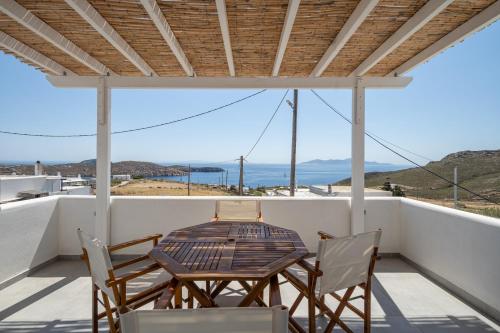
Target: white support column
(358, 159)
(103, 163)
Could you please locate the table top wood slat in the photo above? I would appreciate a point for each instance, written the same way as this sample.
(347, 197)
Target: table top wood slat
(229, 250)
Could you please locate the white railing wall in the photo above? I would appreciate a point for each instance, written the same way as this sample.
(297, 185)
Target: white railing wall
(457, 247)
(460, 249)
(74, 212)
(28, 235)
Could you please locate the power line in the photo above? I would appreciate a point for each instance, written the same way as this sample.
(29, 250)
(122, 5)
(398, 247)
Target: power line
(267, 125)
(373, 134)
(138, 128)
(399, 147)
(406, 158)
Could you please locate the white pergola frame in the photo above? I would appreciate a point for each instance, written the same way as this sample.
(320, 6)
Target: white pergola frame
(356, 82)
(92, 16)
(104, 85)
(31, 22)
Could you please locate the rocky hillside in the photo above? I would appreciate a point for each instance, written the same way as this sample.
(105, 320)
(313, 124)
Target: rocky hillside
(478, 171)
(87, 168)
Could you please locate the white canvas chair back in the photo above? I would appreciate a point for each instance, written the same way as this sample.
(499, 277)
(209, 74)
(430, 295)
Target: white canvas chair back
(99, 262)
(238, 210)
(345, 261)
(220, 320)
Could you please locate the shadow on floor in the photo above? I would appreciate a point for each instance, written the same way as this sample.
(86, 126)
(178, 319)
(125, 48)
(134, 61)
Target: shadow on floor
(79, 326)
(7, 312)
(448, 324)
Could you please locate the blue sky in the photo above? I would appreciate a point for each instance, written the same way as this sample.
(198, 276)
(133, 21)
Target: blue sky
(452, 104)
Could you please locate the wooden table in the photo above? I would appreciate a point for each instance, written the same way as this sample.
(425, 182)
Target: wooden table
(230, 251)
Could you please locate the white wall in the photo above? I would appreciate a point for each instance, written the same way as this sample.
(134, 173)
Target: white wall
(11, 186)
(134, 217)
(77, 190)
(459, 247)
(307, 216)
(74, 212)
(463, 248)
(384, 213)
(28, 235)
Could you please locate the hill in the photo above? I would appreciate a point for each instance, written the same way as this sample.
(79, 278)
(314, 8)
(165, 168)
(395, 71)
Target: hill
(478, 171)
(87, 168)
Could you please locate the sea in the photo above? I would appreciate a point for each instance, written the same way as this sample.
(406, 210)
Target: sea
(255, 175)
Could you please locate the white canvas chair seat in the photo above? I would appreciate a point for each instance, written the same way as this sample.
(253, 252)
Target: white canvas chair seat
(220, 320)
(238, 210)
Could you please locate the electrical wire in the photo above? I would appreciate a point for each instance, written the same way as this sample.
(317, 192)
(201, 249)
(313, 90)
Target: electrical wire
(267, 125)
(373, 134)
(399, 147)
(406, 158)
(138, 128)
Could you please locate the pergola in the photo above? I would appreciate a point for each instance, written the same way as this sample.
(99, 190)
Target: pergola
(338, 44)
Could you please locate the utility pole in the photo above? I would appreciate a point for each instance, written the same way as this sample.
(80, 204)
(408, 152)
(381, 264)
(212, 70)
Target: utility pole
(240, 185)
(226, 178)
(189, 179)
(455, 189)
(294, 142)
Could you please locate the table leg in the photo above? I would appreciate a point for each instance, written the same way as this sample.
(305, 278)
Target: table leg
(205, 300)
(164, 301)
(220, 287)
(254, 293)
(248, 289)
(178, 297)
(274, 291)
(190, 300)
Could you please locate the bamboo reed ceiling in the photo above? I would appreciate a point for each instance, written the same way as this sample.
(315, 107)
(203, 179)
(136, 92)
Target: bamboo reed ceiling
(254, 29)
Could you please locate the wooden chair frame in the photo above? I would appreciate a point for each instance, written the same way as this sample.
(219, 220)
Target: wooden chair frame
(118, 283)
(309, 291)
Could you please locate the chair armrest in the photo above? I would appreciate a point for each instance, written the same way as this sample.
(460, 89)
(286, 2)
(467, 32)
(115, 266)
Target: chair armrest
(130, 262)
(132, 275)
(120, 246)
(309, 268)
(325, 235)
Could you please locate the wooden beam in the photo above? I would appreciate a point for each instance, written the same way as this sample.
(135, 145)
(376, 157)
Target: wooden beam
(291, 13)
(357, 17)
(476, 23)
(92, 16)
(32, 55)
(417, 21)
(230, 82)
(163, 27)
(42, 29)
(224, 28)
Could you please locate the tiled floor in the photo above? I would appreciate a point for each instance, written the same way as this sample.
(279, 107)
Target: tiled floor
(57, 299)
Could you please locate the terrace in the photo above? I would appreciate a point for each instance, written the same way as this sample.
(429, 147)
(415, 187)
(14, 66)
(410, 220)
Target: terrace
(428, 279)
(440, 267)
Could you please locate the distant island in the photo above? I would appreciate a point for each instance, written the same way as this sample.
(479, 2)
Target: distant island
(87, 168)
(478, 171)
